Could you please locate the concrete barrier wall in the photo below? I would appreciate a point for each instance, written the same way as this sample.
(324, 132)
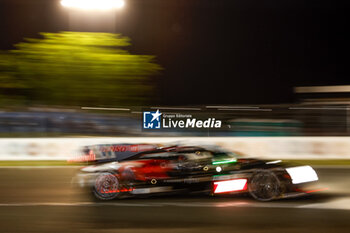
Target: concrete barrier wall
(262, 147)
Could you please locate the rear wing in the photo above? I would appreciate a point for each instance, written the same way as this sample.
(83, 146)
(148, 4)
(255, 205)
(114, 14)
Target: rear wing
(111, 152)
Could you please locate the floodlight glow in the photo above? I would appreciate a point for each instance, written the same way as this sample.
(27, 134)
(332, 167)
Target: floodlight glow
(93, 4)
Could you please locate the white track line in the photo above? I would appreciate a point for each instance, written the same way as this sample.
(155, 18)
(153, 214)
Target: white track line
(336, 205)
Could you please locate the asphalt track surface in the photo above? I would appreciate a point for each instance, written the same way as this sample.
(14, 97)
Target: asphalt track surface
(43, 200)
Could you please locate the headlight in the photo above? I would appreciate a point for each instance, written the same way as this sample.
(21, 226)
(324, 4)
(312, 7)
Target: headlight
(302, 174)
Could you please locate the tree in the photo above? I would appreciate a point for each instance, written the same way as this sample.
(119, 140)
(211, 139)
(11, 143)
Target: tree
(76, 68)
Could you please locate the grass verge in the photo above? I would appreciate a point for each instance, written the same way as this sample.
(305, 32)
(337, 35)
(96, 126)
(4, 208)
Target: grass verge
(331, 162)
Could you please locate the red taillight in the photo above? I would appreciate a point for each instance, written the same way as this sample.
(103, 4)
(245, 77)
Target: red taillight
(228, 186)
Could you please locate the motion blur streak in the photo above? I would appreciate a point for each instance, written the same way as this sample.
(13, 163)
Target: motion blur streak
(317, 190)
(55, 69)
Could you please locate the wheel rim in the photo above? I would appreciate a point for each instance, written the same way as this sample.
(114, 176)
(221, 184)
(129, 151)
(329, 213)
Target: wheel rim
(264, 186)
(106, 186)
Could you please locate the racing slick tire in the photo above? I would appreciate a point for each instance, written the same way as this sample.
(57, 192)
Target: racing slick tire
(264, 185)
(106, 186)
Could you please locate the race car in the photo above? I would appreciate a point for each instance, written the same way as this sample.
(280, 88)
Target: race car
(127, 170)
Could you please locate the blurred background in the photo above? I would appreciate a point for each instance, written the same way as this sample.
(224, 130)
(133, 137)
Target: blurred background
(283, 57)
(81, 72)
(266, 120)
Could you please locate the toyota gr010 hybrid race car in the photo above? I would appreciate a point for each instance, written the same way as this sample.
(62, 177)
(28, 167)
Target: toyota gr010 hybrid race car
(125, 170)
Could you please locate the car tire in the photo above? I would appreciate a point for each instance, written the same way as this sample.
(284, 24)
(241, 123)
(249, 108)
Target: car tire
(106, 186)
(264, 185)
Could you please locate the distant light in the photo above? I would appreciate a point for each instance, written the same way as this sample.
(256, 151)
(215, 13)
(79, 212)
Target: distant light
(218, 169)
(93, 4)
(273, 162)
(228, 186)
(107, 109)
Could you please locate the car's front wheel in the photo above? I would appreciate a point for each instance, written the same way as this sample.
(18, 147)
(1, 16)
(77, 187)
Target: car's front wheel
(106, 186)
(264, 186)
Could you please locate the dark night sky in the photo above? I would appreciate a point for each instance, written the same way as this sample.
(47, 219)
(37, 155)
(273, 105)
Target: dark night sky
(217, 51)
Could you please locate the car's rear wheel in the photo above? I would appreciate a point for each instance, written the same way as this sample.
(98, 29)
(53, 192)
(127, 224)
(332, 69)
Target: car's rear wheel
(264, 186)
(106, 186)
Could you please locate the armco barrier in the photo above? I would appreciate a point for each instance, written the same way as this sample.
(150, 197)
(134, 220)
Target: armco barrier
(262, 147)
